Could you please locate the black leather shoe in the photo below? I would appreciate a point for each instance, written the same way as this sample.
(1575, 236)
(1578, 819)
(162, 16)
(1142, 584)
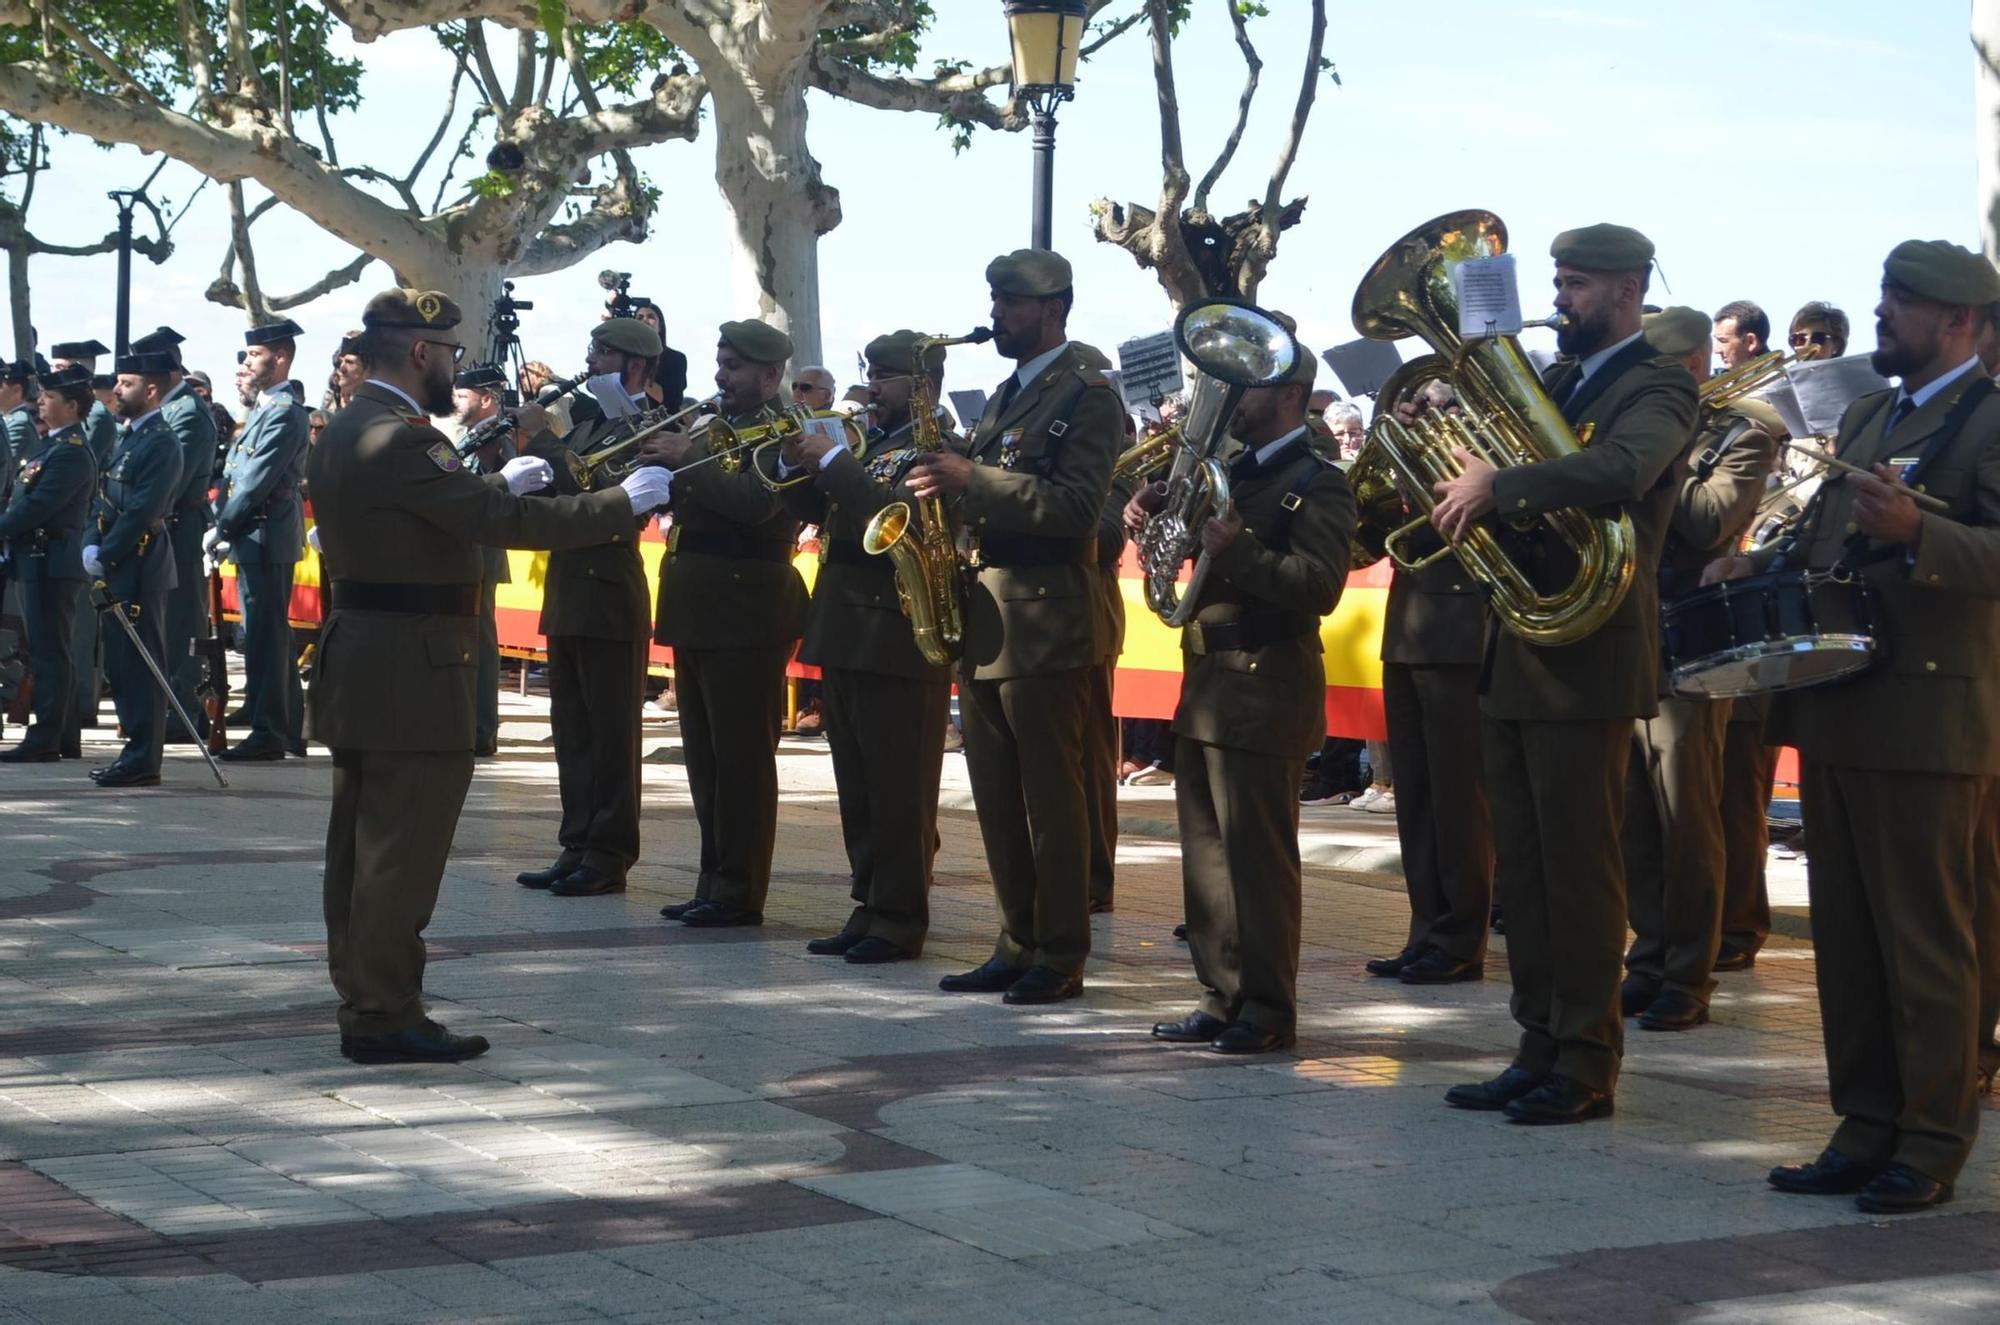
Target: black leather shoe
(296, 751)
(1734, 959)
(1636, 995)
(1900, 1189)
(872, 951)
(246, 753)
(73, 751)
(1673, 1010)
(679, 909)
(995, 977)
(1558, 1100)
(1180, 931)
(1043, 984)
(542, 878)
(115, 776)
(1195, 1028)
(1434, 968)
(29, 754)
(713, 915)
(1488, 1096)
(1392, 966)
(1100, 906)
(583, 881)
(1832, 1174)
(834, 945)
(1240, 1037)
(427, 1043)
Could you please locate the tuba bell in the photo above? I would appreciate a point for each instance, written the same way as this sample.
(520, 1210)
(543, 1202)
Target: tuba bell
(1507, 420)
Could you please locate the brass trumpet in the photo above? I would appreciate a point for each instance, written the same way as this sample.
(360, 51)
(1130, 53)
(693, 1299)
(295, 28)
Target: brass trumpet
(1745, 379)
(729, 446)
(616, 461)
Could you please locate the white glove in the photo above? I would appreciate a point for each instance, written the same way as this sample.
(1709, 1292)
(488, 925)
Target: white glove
(648, 488)
(209, 538)
(527, 473)
(91, 565)
(312, 539)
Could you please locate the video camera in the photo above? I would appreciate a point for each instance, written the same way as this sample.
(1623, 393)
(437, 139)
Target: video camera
(506, 319)
(622, 300)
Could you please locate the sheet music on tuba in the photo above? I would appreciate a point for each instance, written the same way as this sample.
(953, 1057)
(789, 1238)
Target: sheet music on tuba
(1489, 297)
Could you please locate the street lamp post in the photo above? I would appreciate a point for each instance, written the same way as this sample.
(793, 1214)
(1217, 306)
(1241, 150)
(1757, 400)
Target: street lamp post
(1045, 36)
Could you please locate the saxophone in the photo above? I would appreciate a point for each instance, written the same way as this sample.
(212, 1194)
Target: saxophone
(917, 540)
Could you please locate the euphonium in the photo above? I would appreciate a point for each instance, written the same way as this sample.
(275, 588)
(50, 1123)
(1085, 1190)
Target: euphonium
(1508, 419)
(925, 557)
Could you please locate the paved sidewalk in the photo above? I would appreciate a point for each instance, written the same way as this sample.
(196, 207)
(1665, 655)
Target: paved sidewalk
(685, 1126)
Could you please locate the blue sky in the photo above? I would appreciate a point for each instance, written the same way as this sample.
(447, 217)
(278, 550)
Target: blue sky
(1773, 151)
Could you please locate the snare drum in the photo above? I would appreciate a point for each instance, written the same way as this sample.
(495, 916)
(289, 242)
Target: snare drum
(1783, 630)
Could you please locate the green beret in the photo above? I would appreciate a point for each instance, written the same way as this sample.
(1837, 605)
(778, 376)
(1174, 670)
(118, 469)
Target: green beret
(1941, 271)
(897, 351)
(1603, 247)
(1035, 272)
(757, 340)
(417, 310)
(1678, 330)
(627, 335)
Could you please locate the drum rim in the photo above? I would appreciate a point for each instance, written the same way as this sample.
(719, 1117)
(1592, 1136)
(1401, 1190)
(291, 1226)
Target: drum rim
(1862, 647)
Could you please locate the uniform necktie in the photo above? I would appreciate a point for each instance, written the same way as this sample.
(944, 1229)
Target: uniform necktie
(1904, 409)
(1008, 390)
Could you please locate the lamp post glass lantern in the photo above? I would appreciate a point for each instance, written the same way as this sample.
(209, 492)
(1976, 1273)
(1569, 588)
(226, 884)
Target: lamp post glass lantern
(1046, 35)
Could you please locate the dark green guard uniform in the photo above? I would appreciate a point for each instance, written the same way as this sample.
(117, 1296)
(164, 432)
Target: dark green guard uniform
(886, 706)
(597, 620)
(400, 521)
(1252, 707)
(1040, 475)
(732, 608)
(1674, 852)
(1101, 756)
(41, 534)
(100, 430)
(136, 557)
(261, 516)
(1896, 763)
(1557, 720)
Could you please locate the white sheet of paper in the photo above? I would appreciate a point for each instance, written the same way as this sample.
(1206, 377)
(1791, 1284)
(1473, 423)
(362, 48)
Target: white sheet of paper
(1489, 297)
(610, 395)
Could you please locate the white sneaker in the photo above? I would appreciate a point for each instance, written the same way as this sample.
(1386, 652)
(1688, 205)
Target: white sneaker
(1365, 799)
(1382, 804)
(1153, 776)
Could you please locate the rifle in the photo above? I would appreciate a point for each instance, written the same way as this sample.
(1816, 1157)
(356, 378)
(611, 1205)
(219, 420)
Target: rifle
(214, 651)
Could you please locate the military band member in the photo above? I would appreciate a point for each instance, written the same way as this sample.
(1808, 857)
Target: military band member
(1252, 707)
(260, 517)
(598, 621)
(476, 396)
(1556, 729)
(130, 554)
(732, 608)
(886, 706)
(400, 521)
(1895, 763)
(100, 429)
(1675, 858)
(41, 539)
(1031, 496)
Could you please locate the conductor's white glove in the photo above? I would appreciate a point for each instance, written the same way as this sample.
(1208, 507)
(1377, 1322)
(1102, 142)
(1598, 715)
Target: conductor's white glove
(648, 488)
(312, 539)
(209, 538)
(91, 563)
(527, 473)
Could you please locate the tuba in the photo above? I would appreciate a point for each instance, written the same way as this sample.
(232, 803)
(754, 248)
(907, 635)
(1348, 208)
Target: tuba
(1508, 420)
(917, 540)
(1233, 346)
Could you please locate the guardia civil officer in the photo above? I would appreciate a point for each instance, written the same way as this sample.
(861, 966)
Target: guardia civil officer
(598, 621)
(1031, 496)
(1556, 730)
(260, 525)
(732, 608)
(1896, 763)
(400, 522)
(1252, 707)
(100, 429)
(41, 540)
(17, 415)
(130, 554)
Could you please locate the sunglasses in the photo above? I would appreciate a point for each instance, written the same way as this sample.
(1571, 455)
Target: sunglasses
(809, 386)
(1800, 339)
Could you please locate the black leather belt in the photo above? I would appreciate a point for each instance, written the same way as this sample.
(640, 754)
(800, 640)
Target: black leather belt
(413, 599)
(1247, 632)
(849, 552)
(1029, 550)
(718, 543)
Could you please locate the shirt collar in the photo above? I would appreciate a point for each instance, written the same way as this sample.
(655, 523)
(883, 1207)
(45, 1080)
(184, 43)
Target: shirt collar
(280, 393)
(1924, 394)
(141, 422)
(1270, 449)
(1603, 356)
(401, 394)
(184, 387)
(1032, 369)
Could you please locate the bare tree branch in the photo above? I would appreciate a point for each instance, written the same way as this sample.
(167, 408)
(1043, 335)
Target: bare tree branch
(246, 257)
(489, 78)
(958, 95)
(1112, 32)
(524, 69)
(1254, 68)
(319, 108)
(201, 55)
(333, 280)
(451, 166)
(242, 67)
(868, 43)
(437, 135)
(1261, 244)
(96, 55)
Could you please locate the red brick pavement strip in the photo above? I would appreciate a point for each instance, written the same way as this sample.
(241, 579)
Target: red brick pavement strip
(1667, 1282)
